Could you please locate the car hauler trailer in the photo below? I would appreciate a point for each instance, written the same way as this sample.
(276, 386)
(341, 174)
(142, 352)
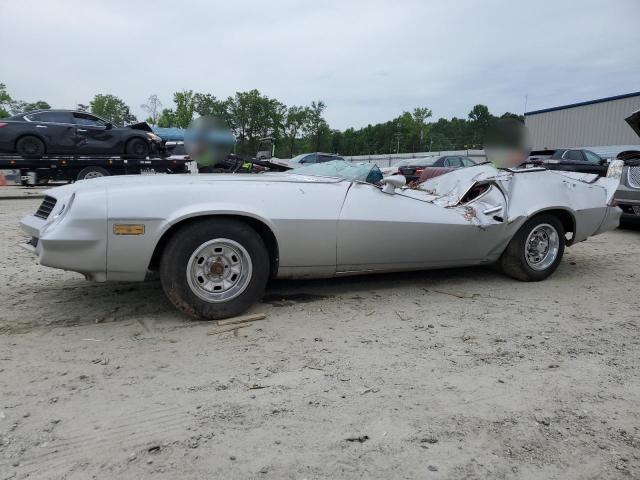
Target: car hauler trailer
(34, 171)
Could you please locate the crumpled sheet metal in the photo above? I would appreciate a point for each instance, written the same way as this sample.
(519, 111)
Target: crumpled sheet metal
(521, 193)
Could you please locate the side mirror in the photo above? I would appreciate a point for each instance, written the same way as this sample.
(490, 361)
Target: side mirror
(393, 182)
(108, 125)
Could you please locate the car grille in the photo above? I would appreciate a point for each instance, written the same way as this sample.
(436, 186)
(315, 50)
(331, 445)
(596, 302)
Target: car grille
(634, 177)
(45, 207)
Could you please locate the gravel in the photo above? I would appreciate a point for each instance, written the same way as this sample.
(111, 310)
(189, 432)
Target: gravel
(447, 374)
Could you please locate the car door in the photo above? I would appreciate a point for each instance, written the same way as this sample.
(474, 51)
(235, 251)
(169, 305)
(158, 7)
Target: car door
(378, 231)
(56, 128)
(93, 136)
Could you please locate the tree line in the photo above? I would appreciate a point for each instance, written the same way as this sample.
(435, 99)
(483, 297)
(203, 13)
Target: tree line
(298, 128)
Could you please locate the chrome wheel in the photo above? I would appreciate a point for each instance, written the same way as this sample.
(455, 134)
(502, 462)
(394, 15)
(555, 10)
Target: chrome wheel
(542, 246)
(219, 270)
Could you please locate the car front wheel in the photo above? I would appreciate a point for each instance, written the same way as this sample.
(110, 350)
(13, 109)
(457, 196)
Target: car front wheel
(536, 249)
(137, 147)
(214, 268)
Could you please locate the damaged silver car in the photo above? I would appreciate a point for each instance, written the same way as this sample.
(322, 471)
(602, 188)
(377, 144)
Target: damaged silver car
(216, 239)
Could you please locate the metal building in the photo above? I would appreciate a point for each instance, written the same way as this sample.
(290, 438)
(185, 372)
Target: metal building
(596, 124)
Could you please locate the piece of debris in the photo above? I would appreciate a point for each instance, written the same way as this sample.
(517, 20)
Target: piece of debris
(401, 317)
(227, 329)
(543, 420)
(359, 439)
(254, 317)
(429, 440)
(554, 365)
(153, 449)
(432, 468)
(369, 390)
(452, 293)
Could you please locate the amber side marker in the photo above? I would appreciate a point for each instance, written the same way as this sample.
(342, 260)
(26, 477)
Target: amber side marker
(128, 229)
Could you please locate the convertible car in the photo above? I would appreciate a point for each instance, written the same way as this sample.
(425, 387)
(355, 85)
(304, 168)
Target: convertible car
(217, 239)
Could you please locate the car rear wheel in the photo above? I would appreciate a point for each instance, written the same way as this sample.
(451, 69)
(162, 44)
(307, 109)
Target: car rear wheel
(88, 173)
(30, 146)
(214, 268)
(137, 147)
(536, 250)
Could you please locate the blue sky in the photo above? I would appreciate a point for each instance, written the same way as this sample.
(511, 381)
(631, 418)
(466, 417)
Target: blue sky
(368, 60)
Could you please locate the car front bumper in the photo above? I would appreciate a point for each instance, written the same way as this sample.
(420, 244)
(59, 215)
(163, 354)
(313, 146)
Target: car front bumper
(628, 199)
(74, 241)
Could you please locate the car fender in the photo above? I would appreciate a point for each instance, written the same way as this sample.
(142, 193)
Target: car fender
(129, 256)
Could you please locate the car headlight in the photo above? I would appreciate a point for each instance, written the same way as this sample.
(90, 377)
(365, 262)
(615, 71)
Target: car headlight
(615, 169)
(154, 137)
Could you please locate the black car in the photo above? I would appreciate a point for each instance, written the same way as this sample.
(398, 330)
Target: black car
(570, 159)
(66, 132)
(412, 170)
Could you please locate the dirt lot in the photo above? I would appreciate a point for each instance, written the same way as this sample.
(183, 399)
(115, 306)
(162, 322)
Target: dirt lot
(448, 374)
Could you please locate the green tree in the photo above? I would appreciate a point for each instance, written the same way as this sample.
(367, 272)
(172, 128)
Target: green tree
(5, 101)
(167, 118)
(112, 108)
(317, 128)
(252, 116)
(295, 121)
(185, 108)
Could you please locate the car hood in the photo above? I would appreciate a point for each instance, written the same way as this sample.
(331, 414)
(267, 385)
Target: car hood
(634, 122)
(128, 182)
(140, 126)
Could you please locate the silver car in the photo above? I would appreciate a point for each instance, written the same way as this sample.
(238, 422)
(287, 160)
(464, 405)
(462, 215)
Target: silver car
(217, 239)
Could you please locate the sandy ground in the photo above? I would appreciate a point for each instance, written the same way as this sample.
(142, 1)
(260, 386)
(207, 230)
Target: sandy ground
(449, 374)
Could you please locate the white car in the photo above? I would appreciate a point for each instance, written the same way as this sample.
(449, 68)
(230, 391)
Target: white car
(216, 239)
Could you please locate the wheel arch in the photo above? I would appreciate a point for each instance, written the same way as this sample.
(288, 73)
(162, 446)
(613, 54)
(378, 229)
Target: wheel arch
(260, 227)
(135, 136)
(566, 218)
(30, 134)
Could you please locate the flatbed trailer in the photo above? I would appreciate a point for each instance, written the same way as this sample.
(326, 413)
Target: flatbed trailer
(37, 171)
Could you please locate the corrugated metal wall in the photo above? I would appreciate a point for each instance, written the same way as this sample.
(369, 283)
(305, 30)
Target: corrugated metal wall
(595, 124)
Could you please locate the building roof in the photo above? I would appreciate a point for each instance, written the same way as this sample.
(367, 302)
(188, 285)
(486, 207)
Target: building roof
(580, 104)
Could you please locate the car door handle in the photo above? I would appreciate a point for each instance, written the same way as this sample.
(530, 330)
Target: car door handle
(80, 130)
(41, 126)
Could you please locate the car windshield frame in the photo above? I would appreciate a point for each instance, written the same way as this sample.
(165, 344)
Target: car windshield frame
(341, 170)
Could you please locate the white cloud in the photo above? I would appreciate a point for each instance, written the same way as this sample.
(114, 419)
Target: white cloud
(368, 60)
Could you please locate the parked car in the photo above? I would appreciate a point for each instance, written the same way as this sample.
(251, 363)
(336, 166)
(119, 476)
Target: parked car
(414, 170)
(570, 160)
(393, 169)
(67, 132)
(626, 168)
(315, 157)
(217, 239)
